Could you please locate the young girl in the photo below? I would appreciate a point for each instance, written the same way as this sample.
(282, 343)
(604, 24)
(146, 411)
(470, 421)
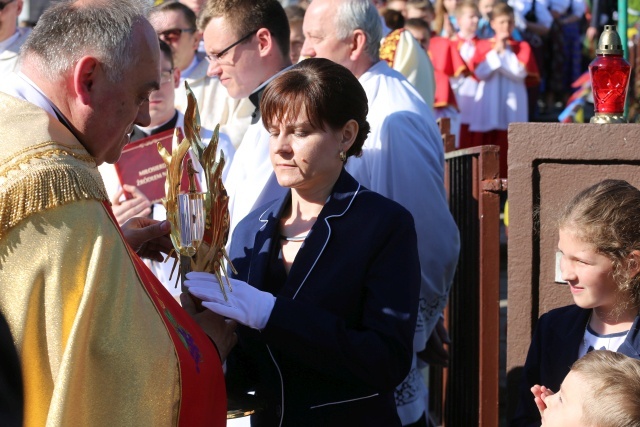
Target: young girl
(445, 24)
(600, 245)
(484, 30)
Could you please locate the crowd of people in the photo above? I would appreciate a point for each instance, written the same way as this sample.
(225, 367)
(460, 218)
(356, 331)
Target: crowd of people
(342, 268)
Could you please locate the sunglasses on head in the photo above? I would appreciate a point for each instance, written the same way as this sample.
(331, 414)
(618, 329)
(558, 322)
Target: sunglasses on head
(174, 34)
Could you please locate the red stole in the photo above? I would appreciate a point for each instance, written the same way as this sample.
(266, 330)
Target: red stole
(203, 399)
(522, 50)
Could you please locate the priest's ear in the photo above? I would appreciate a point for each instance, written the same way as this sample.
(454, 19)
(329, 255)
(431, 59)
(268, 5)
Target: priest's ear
(85, 75)
(358, 44)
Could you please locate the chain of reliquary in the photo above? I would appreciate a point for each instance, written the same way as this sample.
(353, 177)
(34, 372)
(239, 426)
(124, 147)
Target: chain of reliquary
(211, 253)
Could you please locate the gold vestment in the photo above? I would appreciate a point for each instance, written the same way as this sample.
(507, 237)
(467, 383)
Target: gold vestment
(93, 346)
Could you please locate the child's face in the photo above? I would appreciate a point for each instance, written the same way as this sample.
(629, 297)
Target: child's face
(467, 20)
(450, 6)
(485, 7)
(564, 409)
(589, 273)
(503, 26)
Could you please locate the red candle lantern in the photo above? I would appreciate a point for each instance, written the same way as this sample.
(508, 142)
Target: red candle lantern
(609, 78)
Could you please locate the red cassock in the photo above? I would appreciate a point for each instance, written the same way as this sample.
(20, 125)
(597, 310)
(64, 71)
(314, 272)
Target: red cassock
(447, 62)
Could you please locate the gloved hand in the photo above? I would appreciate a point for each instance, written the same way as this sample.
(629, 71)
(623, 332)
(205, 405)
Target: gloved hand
(246, 304)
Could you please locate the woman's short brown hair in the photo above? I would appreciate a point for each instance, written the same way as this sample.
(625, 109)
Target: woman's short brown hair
(330, 94)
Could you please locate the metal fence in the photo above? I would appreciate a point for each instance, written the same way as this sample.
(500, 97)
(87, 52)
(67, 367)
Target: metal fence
(466, 393)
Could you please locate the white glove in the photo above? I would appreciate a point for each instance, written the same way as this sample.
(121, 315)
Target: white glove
(246, 304)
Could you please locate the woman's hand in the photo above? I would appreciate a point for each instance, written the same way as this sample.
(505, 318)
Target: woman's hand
(245, 304)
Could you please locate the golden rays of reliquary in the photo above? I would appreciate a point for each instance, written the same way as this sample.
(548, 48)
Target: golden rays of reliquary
(211, 253)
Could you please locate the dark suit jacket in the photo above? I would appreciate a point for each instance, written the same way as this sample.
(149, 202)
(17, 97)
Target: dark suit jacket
(339, 338)
(11, 390)
(553, 350)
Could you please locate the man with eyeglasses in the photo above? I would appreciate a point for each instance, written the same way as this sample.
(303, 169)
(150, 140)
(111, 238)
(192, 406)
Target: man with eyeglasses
(12, 37)
(175, 24)
(247, 45)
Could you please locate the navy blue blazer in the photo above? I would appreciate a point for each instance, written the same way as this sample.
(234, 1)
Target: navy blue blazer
(553, 350)
(339, 338)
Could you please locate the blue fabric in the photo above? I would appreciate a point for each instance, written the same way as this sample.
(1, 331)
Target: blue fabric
(339, 338)
(572, 61)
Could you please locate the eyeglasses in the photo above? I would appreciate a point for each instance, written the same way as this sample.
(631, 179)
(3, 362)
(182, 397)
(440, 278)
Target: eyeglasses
(174, 34)
(3, 5)
(217, 57)
(166, 76)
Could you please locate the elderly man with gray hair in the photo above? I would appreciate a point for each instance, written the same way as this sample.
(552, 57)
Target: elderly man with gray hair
(100, 340)
(403, 159)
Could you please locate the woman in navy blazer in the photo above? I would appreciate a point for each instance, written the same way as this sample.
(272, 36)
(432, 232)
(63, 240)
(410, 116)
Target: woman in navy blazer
(328, 277)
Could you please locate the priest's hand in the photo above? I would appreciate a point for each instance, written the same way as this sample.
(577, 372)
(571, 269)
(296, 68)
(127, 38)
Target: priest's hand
(138, 205)
(148, 237)
(245, 304)
(220, 330)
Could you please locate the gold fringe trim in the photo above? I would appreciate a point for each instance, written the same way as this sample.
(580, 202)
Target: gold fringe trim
(44, 180)
(389, 46)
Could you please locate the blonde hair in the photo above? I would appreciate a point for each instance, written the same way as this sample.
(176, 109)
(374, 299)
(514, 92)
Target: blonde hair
(613, 389)
(501, 9)
(467, 4)
(607, 216)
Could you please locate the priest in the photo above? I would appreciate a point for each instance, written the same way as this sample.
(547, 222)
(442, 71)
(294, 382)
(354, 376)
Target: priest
(100, 340)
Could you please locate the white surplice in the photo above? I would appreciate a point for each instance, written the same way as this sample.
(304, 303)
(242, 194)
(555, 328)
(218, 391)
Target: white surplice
(501, 97)
(403, 159)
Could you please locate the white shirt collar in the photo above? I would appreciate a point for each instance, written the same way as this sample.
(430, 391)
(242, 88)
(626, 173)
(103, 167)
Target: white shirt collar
(8, 42)
(270, 79)
(20, 86)
(187, 71)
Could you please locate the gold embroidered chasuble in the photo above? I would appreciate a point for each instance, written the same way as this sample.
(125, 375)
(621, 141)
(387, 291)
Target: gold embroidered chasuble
(93, 347)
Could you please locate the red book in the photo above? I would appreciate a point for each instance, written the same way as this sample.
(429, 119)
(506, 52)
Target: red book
(141, 165)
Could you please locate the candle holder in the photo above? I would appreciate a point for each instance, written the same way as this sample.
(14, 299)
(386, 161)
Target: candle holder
(609, 73)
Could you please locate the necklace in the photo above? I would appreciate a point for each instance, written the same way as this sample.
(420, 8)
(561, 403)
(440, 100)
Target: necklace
(294, 238)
